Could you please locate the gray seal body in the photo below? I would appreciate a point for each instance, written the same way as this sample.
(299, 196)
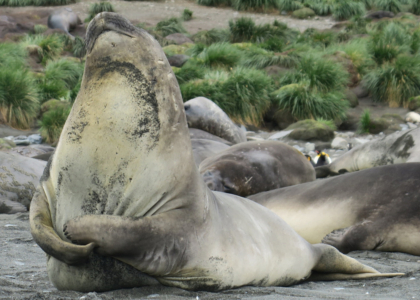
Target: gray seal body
(64, 19)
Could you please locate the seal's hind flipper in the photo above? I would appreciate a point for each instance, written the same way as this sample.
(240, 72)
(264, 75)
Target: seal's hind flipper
(333, 265)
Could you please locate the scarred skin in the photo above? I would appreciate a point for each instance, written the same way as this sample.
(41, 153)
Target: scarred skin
(122, 204)
(254, 167)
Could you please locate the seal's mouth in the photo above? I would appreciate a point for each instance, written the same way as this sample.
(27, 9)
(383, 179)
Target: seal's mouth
(107, 21)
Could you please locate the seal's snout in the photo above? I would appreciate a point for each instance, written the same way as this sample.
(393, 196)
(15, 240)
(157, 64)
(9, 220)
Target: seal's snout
(107, 21)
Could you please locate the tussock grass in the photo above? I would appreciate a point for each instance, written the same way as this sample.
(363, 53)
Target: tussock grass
(345, 9)
(96, 8)
(244, 94)
(394, 83)
(18, 97)
(60, 78)
(170, 26)
(364, 122)
(191, 70)
(259, 58)
(305, 103)
(51, 46)
(52, 123)
(222, 55)
(289, 5)
(211, 36)
(186, 15)
(389, 5)
(321, 73)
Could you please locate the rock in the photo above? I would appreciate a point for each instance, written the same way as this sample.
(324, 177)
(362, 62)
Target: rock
(351, 122)
(310, 130)
(412, 117)
(279, 119)
(35, 138)
(339, 143)
(378, 125)
(6, 144)
(309, 147)
(21, 140)
(179, 38)
(11, 207)
(303, 13)
(394, 122)
(379, 15)
(414, 103)
(19, 177)
(178, 60)
(280, 134)
(351, 97)
(411, 125)
(360, 91)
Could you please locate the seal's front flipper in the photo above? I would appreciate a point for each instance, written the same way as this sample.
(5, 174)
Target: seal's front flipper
(333, 265)
(45, 236)
(357, 237)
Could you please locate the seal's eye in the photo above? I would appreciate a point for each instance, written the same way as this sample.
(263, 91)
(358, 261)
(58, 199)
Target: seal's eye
(228, 189)
(186, 107)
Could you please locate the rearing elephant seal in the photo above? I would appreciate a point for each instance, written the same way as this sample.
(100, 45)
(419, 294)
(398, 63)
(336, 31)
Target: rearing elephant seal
(204, 114)
(254, 167)
(374, 209)
(64, 19)
(393, 149)
(124, 187)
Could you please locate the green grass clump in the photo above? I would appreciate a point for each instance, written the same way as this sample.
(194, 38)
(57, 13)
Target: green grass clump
(244, 94)
(96, 8)
(289, 5)
(364, 122)
(394, 83)
(323, 74)
(345, 9)
(170, 26)
(215, 2)
(208, 37)
(322, 7)
(305, 103)
(223, 55)
(51, 46)
(34, 2)
(254, 4)
(186, 15)
(259, 58)
(245, 30)
(39, 28)
(415, 8)
(191, 70)
(18, 97)
(78, 47)
(303, 13)
(52, 123)
(329, 123)
(60, 78)
(12, 56)
(389, 5)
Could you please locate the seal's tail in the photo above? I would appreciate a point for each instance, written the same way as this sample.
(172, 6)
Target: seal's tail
(333, 265)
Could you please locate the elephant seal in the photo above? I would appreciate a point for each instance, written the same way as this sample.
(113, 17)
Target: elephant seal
(64, 19)
(374, 209)
(203, 149)
(124, 187)
(253, 167)
(196, 134)
(393, 149)
(204, 114)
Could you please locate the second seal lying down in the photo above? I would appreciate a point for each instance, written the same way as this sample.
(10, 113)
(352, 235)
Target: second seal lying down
(123, 185)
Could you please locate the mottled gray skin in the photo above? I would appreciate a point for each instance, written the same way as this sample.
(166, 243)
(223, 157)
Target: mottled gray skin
(254, 167)
(203, 149)
(374, 209)
(19, 176)
(198, 134)
(122, 197)
(204, 114)
(64, 19)
(393, 149)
